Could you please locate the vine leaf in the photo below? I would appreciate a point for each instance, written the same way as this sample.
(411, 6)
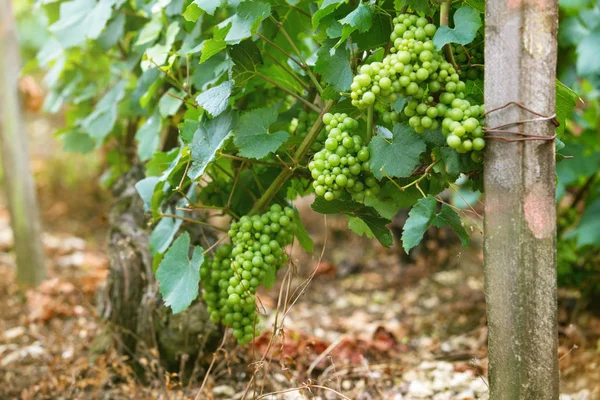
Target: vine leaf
(390, 200)
(198, 7)
(565, 102)
(328, 7)
(150, 31)
(80, 20)
(420, 218)
(169, 105)
(245, 22)
(208, 139)
(246, 59)
(335, 68)
(449, 217)
(216, 99)
(102, 120)
(163, 233)
(466, 23)
(160, 51)
(210, 47)
(360, 19)
(145, 189)
(397, 157)
(252, 134)
(588, 230)
(588, 54)
(375, 223)
(302, 235)
(178, 276)
(148, 137)
(77, 142)
(418, 6)
(423, 215)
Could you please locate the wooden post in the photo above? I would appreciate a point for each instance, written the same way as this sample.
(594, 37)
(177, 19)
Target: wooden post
(20, 189)
(520, 208)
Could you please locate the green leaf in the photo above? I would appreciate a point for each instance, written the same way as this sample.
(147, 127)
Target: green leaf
(302, 235)
(163, 233)
(252, 134)
(449, 217)
(211, 47)
(419, 220)
(145, 189)
(467, 22)
(159, 52)
(169, 105)
(588, 54)
(77, 142)
(334, 68)
(588, 230)
(419, 6)
(360, 19)
(327, 7)
(245, 22)
(209, 138)
(374, 222)
(216, 99)
(246, 58)
(113, 32)
(477, 5)
(178, 276)
(565, 103)
(397, 157)
(102, 120)
(150, 31)
(390, 200)
(359, 227)
(148, 137)
(195, 10)
(270, 276)
(81, 20)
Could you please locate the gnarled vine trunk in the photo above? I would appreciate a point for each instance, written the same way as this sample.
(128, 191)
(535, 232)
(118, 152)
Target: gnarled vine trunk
(137, 322)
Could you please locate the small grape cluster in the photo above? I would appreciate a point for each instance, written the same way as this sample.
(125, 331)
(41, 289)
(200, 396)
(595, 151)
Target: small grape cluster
(301, 125)
(470, 60)
(416, 70)
(342, 166)
(231, 278)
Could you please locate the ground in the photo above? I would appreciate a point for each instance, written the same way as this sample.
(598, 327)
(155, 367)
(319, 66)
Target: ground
(358, 323)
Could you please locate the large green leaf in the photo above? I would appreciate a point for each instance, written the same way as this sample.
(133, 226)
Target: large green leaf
(102, 120)
(246, 59)
(588, 230)
(197, 7)
(399, 156)
(163, 233)
(81, 20)
(419, 6)
(588, 54)
(420, 218)
(375, 223)
(360, 19)
(160, 51)
(246, 20)
(565, 103)
(216, 99)
(178, 276)
(252, 135)
(334, 68)
(467, 22)
(170, 102)
(327, 7)
(148, 137)
(209, 138)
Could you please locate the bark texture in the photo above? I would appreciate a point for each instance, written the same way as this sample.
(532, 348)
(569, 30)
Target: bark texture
(131, 302)
(520, 220)
(20, 188)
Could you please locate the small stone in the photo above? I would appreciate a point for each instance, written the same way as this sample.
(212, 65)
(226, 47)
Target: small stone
(420, 390)
(224, 390)
(347, 384)
(14, 333)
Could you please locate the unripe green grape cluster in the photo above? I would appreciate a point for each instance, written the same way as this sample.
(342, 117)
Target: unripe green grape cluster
(416, 70)
(301, 125)
(470, 60)
(231, 278)
(342, 166)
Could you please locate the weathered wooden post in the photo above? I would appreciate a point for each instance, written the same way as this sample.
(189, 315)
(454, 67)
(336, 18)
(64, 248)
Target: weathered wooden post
(520, 226)
(20, 189)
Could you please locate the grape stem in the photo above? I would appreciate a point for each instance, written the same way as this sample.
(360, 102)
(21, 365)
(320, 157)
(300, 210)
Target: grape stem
(370, 123)
(413, 183)
(286, 173)
(444, 18)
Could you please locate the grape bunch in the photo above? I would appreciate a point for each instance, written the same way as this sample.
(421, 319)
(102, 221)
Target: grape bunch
(342, 166)
(301, 125)
(416, 70)
(231, 278)
(470, 60)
